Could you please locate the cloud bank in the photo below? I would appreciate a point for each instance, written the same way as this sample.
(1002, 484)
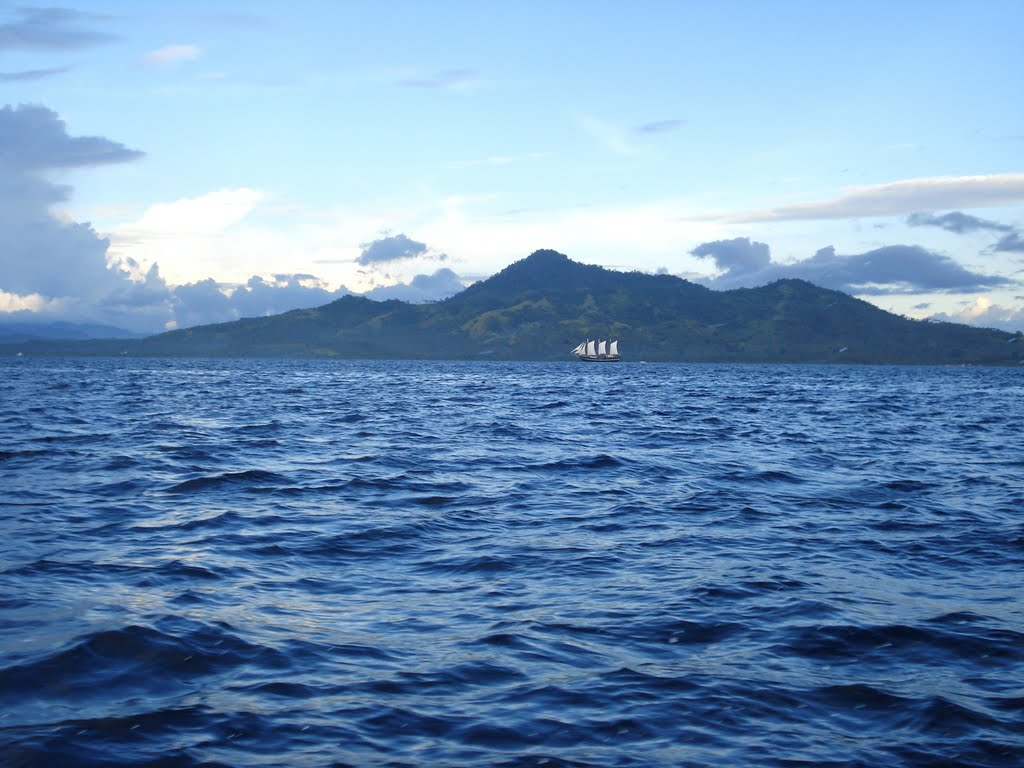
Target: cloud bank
(55, 269)
(41, 254)
(982, 312)
(440, 285)
(207, 301)
(892, 269)
(897, 198)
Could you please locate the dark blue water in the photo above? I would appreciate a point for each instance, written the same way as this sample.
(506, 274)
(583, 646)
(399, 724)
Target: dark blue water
(253, 563)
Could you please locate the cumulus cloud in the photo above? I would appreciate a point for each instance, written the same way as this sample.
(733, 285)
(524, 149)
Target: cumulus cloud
(177, 233)
(896, 198)
(892, 269)
(50, 28)
(139, 305)
(440, 285)
(55, 269)
(259, 296)
(202, 302)
(40, 253)
(172, 55)
(30, 74)
(30, 303)
(982, 312)
(60, 269)
(207, 301)
(392, 248)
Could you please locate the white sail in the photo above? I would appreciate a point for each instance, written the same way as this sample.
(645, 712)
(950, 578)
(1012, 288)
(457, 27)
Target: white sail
(597, 351)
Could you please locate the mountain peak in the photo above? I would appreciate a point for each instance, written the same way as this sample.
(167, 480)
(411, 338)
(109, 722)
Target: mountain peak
(540, 270)
(543, 262)
(546, 255)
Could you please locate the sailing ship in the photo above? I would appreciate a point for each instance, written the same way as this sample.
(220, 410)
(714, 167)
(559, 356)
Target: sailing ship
(597, 351)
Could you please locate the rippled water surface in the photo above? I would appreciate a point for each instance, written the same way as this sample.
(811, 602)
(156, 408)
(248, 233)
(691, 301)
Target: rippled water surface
(256, 563)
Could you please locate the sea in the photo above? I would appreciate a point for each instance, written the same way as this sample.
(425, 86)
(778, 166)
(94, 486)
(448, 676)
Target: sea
(410, 563)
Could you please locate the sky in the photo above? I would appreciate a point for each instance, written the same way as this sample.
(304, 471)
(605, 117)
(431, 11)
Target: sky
(169, 164)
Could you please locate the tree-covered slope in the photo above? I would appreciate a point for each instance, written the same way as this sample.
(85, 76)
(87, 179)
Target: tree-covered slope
(542, 306)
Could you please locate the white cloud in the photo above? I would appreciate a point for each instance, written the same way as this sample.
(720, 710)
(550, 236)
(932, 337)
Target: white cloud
(172, 55)
(183, 236)
(981, 306)
(32, 302)
(233, 234)
(230, 235)
(204, 215)
(896, 198)
(986, 314)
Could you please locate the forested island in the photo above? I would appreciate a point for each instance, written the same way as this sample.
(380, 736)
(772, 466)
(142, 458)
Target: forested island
(541, 307)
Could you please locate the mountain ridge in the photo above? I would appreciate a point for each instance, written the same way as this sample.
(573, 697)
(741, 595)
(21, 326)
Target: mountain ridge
(540, 307)
(20, 329)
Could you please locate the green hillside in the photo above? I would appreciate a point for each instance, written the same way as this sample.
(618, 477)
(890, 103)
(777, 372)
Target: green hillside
(541, 307)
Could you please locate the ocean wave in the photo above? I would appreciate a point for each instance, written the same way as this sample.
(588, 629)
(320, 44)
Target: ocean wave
(327, 563)
(250, 479)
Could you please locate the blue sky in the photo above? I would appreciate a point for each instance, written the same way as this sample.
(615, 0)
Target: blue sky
(169, 164)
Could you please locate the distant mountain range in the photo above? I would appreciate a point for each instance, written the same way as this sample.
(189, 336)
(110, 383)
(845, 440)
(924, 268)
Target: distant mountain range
(28, 330)
(543, 306)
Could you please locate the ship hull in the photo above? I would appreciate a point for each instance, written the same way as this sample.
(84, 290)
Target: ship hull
(598, 359)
